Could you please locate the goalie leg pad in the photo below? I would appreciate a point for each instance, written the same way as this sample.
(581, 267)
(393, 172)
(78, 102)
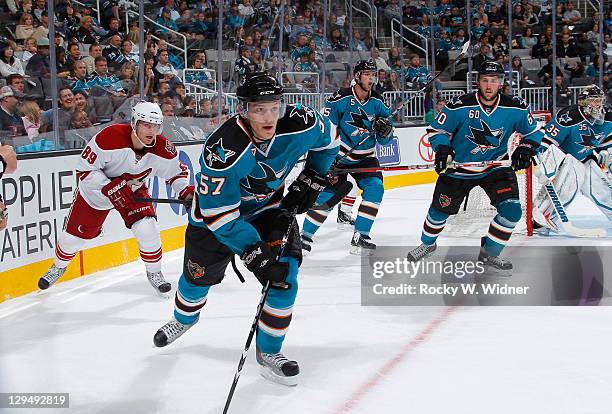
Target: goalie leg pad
(598, 188)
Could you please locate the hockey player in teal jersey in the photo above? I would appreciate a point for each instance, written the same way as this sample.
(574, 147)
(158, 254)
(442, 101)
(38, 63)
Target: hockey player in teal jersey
(240, 209)
(573, 158)
(360, 118)
(477, 127)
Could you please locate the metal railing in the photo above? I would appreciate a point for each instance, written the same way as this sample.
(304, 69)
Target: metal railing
(540, 98)
(423, 39)
(182, 36)
(369, 12)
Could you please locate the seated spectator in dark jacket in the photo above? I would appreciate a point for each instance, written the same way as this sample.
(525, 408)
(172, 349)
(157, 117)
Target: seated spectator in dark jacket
(542, 49)
(545, 74)
(567, 47)
(9, 117)
(113, 29)
(39, 64)
(113, 54)
(381, 85)
(584, 47)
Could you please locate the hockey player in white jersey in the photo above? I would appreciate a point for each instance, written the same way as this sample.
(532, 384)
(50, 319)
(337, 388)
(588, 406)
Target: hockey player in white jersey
(573, 161)
(111, 173)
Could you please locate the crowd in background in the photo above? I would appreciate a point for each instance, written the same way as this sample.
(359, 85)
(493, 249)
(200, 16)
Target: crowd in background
(98, 59)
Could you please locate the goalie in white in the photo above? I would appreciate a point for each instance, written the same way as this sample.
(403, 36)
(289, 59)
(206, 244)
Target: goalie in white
(572, 159)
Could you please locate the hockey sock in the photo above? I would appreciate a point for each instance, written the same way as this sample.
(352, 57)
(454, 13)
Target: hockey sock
(66, 248)
(149, 243)
(371, 196)
(502, 226)
(188, 301)
(433, 226)
(276, 313)
(314, 219)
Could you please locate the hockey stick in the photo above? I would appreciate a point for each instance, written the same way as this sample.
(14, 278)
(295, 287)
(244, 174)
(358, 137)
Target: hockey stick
(264, 296)
(505, 163)
(565, 222)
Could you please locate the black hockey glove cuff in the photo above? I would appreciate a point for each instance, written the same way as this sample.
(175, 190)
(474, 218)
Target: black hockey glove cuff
(261, 261)
(383, 127)
(523, 155)
(444, 157)
(303, 192)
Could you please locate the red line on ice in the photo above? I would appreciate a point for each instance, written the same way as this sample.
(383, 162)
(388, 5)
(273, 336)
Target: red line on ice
(371, 383)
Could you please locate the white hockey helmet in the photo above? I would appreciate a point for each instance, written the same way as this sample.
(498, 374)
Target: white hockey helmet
(147, 112)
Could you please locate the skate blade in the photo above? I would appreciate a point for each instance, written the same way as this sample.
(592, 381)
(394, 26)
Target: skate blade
(306, 252)
(271, 376)
(344, 226)
(495, 272)
(163, 295)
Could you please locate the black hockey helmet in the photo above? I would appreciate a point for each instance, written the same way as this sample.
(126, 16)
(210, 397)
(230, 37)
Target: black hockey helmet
(259, 86)
(365, 65)
(591, 101)
(491, 68)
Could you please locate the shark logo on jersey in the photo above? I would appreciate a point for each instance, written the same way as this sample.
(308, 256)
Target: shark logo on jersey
(361, 122)
(485, 138)
(300, 111)
(195, 270)
(589, 141)
(216, 153)
(259, 186)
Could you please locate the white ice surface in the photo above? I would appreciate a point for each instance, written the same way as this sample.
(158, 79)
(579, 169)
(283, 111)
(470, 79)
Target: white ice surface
(92, 337)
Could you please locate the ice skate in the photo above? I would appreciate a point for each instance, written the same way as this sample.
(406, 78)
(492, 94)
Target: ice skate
(51, 277)
(344, 220)
(156, 279)
(494, 265)
(277, 368)
(421, 252)
(170, 333)
(361, 244)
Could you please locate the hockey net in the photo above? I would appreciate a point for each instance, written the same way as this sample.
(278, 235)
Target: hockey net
(477, 212)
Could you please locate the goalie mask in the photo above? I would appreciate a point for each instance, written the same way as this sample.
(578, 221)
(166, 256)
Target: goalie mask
(591, 102)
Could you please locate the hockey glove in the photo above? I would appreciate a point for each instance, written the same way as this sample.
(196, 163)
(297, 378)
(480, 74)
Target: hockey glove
(186, 195)
(122, 197)
(261, 261)
(604, 158)
(303, 192)
(383, 127)
(444, 157)
(523, 155)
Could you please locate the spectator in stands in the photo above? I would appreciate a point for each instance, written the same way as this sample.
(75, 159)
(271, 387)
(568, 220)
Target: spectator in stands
(496, 18)
(321, 40)
(165, 69)
(165, 21)
(205, 108)
(9, 118)
(531, 19)
(528, 40)
(85, 33)
(31, 117)
(482, 57)
(593, 69)
(300, 27)
(17, 82)
(79, 120)
(63, 70)
(74, 54)
(78, 78)
(301, 48)
(593, 35)
(357, 43)
(42, 31)
(563, 93)
(477, 28)
(243, 64)
(545, 74)
(167, 110)
(543, 49)
(567, 47)
(417, 74)
(40, 8)
(9, 64)
(381, 86)
(113, 53)
(101, 82)
(394, 56)
(81, 103)
(235, 20)
(264, 46)
(24, 28)
(380, 62)
(392, 11)
(518, 16)
(584, 48)
(95, 51)
(394, 82)
(113, 29)
(29, 50)
(245, 9)
(128, 53)
(64, 112)
(575, 68)
(170, 7)
(150, 79)
(499, 46)
(336, 41)
(571, 15)
(39, 64)
(127, 76)
(517, 66)
(456, 19)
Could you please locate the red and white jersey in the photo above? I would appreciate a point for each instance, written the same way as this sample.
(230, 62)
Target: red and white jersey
(110, 154)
